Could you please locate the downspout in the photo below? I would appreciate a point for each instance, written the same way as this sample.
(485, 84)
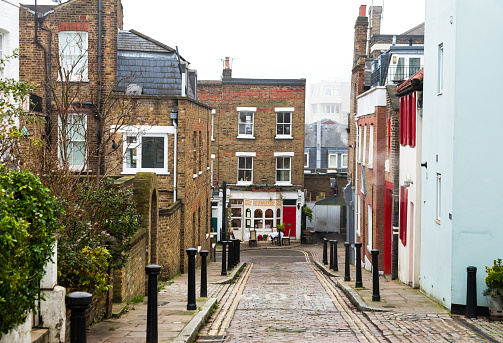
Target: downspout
(175, 153)
(98, 136)
(48, 97)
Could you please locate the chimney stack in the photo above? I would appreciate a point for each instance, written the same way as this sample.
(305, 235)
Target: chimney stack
(360, 41)
(376, 13)
(227, 72)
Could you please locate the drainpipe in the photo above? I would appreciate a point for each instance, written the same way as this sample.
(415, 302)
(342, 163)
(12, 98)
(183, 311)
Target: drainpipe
(318, 144)
(48, 71)
(175, 152)
(98, 136)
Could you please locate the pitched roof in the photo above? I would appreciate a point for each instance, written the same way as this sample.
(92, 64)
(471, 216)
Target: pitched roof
(416, 30)
(333, 134)
(133, 40)
(411, 83)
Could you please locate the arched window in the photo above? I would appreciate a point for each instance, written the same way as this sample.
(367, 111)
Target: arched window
(258, 222)
(269, 221)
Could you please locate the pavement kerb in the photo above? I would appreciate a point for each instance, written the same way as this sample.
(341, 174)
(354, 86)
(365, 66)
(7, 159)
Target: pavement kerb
(190, 331)
(232, 276)
(352, 294)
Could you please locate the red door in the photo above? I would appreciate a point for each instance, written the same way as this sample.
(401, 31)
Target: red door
(388, 230)
(289, 219)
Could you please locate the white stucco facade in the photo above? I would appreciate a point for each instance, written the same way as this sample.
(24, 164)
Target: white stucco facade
(9, 36)
(461, 223)
(410, 176)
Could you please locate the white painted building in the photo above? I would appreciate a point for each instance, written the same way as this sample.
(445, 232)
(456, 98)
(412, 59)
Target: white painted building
(461, 185)
(9, 36)
(328, 99)
(410, 121)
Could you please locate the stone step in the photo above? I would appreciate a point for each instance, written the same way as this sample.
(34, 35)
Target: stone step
(40, 335)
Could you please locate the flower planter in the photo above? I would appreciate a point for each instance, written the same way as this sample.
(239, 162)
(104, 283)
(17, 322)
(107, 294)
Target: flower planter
(495, 303)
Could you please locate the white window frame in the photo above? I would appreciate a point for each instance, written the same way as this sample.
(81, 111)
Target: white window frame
(307, 159)
(440, 77)
(149, 131)
(212, 156)
(80, 76)
(283, 155)
(342, 161)
(439, 198)
(284, 110)
(358, 213)
(73, 166)
(371, 147)
(336, 161)
(213, 112)
(253, 110)
(245, 154)
(360, 139)
(364, 157)
(370, 228)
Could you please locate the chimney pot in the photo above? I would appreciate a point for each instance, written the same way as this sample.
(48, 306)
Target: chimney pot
(227, 64)
(363, 11)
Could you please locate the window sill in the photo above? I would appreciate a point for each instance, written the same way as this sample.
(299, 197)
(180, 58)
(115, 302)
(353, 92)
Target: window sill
(283, 137)
(245, 137)
(244, 183)
(283, 184)
(133, 172)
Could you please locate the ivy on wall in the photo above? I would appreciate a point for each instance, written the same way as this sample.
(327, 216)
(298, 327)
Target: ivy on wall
(28, 220)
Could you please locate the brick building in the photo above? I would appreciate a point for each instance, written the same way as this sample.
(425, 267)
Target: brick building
(257, 150)
(380, 63)
(135, 116)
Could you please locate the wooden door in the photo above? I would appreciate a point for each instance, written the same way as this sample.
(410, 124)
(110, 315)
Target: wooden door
(290, 219)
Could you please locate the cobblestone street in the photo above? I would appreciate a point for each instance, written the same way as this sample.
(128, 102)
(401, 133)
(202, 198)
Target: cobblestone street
(282, 296)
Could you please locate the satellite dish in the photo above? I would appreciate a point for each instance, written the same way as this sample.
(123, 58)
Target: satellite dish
(133, 89)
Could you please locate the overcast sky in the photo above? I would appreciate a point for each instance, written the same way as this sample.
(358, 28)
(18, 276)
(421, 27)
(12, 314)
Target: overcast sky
(310, 39)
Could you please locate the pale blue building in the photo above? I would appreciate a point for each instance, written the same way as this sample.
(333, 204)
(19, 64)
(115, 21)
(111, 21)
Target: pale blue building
(461, 214)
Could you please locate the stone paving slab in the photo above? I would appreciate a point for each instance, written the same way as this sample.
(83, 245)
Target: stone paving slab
(175, 323)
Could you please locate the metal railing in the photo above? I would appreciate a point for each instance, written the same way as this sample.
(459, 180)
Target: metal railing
(394, 74)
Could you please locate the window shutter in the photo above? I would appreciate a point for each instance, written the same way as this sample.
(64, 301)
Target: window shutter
(413, 119)
(403, 214)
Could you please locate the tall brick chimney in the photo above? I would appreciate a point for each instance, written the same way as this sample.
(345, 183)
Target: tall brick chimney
(375, 13)
(227, 72)
(361, 26)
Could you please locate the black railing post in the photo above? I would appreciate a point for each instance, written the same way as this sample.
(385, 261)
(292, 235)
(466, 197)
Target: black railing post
(230, 257)
(325, 251)
(359, 282)
(239, 250)
(204, 274)
(152, 271)
(331, 259)
(224, 258)
(336, 259)
(78, 303)
(191, 301)
(471, 292)
(347, 272)
(375, 275)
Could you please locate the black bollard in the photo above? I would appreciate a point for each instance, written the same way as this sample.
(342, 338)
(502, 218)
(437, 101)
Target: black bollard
(471, 292)
(224, 258)
(325, 251)
(152, 271)
(236, 251)
(331, 264)
(230, 256)
(347, 273)
(359, 282)
(239, 250)
(204, 276)
(191, 301)
(78, 303)
(336, 259)
(375, 275)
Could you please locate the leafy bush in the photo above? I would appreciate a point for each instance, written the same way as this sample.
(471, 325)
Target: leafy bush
(494, 278)
(308, 212)
(28, 220)
(98, 230)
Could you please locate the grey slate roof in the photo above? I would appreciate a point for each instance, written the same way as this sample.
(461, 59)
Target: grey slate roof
(333, 135)
(144, 61)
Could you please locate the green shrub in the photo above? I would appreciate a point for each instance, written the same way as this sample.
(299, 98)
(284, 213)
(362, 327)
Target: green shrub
(494, 278)
(28, 220)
